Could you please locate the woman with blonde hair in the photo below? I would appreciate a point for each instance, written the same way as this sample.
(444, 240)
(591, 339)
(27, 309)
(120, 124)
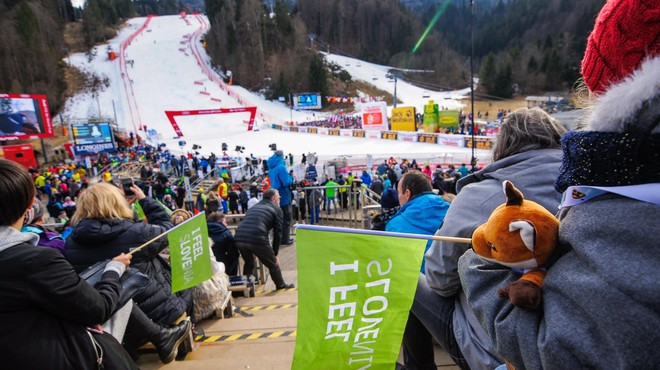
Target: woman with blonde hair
(104, 225)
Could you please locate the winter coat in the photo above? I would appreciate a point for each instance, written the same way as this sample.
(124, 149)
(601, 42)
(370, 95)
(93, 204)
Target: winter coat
(532, 172)
(46, 307)
(224, 249)
(366, 179)
(280, 178)
(601, 307)
(257, 223)
(422, 214)
(95, 240)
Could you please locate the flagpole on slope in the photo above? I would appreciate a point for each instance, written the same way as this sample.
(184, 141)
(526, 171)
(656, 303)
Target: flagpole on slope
(165, 233)
(383, 233)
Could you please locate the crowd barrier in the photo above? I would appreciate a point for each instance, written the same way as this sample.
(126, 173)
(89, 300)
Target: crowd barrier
(459, 141)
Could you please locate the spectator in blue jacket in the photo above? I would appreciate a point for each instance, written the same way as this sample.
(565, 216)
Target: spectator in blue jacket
(281, 180)
(366, 179)
(421, 212)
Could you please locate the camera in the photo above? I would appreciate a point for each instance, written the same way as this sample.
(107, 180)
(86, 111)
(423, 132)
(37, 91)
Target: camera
(195, 147)
(225, 147)
(126, 184)
(273, 147)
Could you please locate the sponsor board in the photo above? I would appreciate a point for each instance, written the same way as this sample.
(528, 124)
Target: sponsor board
(407, 136)
(358, 133)
(24, 116)
(403, 119)
(388, 135)
(482, 142)
(451, 140)
(92, 138)
(427, 138)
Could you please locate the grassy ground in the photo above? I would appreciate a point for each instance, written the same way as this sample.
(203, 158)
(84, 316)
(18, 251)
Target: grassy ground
(492, 106)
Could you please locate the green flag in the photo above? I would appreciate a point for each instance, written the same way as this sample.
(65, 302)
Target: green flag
(354, 296)
(189, 253)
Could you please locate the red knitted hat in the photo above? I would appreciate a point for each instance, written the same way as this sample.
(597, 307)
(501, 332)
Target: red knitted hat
(625, 34)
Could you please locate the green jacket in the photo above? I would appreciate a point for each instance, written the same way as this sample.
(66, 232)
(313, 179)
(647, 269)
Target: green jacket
(330, 188)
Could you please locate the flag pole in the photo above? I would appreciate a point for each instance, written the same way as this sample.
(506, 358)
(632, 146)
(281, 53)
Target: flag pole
(383, 233)
(165, 233)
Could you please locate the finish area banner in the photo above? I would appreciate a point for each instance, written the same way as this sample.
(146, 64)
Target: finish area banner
(355, 291)
(171, 114)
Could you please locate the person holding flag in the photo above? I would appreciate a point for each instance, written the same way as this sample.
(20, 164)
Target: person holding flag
(104, 226)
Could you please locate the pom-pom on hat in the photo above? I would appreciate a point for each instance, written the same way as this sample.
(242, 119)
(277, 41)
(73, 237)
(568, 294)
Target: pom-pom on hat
(626, 33)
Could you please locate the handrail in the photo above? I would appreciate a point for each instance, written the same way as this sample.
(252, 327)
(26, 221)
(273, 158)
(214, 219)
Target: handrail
(370, 195)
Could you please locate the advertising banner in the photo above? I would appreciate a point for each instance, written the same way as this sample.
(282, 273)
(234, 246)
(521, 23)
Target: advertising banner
(482, 142)
(448, 119)
(333, 132)
(388, 135)
(354, 296)
(358, 133)
(431, 117)
(190, 254)
(451, 140)
(322, 130)
(403, 119)
(374, 116)
(427, 138)
(24, 116)
(407, 136)
(92, 138)
(346, 132)
(373, 134)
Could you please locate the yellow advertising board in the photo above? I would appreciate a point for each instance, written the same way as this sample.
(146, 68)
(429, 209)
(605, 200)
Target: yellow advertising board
(403, 119)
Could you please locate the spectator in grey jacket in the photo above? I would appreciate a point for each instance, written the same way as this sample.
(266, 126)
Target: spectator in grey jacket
(527, 153)
(252, 237)
(601, 301)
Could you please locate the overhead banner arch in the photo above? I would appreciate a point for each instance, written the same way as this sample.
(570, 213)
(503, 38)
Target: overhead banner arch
(171, 114)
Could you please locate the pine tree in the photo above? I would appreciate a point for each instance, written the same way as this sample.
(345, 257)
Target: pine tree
(488, 73)
(318, 76)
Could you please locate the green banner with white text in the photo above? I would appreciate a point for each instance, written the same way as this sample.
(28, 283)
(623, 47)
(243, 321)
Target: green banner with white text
(354, 295)
(189, 253)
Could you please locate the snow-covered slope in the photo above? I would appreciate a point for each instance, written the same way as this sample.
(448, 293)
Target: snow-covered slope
(165, 68)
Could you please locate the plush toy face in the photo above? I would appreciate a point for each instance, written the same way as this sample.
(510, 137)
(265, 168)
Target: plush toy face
(519, 234)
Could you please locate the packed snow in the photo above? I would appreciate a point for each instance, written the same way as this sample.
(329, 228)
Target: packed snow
(166, 68)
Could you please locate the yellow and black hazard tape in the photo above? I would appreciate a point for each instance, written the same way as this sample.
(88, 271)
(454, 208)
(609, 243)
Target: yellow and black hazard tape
(268, 307)
(259, 292)
(234, 337)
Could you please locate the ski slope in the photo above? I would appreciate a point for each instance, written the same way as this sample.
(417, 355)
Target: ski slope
(162, 66)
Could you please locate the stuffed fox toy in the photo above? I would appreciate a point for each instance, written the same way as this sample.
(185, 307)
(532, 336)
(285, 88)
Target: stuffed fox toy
(522, 235)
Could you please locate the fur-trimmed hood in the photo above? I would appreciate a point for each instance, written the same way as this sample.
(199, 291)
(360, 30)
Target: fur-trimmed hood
(621, 144)
(614, 109)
